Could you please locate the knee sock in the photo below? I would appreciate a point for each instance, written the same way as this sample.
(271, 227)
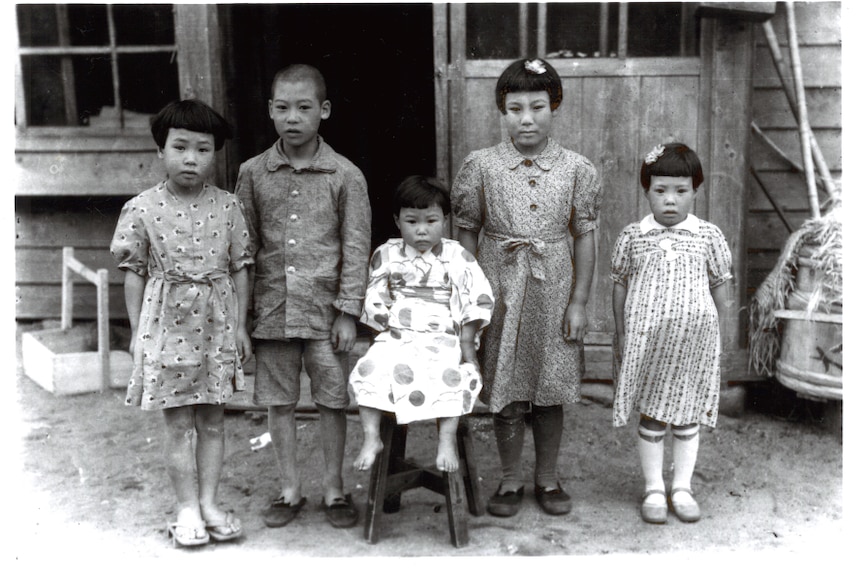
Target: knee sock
(686, 441)
(651, 451)
(547, 435)
(509, 429)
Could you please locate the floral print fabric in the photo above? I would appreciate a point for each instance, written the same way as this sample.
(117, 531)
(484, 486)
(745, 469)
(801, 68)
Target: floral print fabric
(670, 367)
(185, 351)
(529, 210)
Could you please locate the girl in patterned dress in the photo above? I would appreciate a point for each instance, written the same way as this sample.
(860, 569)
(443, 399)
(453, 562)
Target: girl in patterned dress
(536, 204)
(429, 300)
(183, 247)
(670, 273)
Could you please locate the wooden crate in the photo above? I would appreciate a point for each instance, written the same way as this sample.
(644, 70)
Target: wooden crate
(67, 361)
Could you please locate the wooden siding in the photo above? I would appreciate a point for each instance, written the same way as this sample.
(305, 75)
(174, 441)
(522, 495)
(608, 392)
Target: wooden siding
(40, 236)
(819, 38)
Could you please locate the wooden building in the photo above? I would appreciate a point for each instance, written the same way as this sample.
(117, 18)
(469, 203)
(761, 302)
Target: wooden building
(412, 92)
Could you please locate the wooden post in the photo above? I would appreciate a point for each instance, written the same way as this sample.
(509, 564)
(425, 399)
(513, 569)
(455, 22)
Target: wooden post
(724, 144)
(68, 287)
(804, 127)
(103, 327)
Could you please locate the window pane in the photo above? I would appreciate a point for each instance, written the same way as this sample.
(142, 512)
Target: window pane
(44, 87)
(37, 25)
(574, 29)
(144, 25)
(148, 81)
(492, 31)
(654, 29)
(46, 94)
(88, 25)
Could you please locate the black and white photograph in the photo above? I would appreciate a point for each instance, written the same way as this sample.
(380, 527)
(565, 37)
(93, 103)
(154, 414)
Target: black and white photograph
(448, 281)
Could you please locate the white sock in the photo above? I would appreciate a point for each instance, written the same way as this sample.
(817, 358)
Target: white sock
(685, 445)
(651, 451)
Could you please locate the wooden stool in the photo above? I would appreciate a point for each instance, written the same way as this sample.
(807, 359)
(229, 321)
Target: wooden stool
(391, 475)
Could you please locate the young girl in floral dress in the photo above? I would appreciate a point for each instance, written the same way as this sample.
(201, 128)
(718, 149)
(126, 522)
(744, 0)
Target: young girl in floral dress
(537, 205)
(429, 300)
(183, 247)
(670, 273)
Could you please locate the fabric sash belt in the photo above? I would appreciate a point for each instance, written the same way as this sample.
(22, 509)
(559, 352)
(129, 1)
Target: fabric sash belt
(534, 248)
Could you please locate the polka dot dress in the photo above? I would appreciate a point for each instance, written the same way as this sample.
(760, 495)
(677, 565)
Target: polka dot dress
(418, 302)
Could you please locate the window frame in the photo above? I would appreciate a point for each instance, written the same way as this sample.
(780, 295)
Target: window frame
(35, 138)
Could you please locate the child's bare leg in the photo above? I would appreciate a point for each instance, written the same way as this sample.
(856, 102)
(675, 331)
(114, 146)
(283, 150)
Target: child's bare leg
(282, 429)
(209, 423)
(333, 431)
(371, 443)
(180, 461)
(447, 444)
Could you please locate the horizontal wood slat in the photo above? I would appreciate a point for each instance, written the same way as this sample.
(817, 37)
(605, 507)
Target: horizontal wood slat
(44, 265)
(587, 67)
(43, 301)
(86, 174)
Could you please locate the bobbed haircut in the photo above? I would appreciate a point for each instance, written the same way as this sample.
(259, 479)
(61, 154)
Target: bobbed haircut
(678, 161)
(301, 73)
(517, 77)
(420, 192)
(191, 115)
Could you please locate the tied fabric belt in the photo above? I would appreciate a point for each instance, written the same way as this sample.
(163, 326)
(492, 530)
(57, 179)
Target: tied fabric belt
(534, 248)
(174, 277)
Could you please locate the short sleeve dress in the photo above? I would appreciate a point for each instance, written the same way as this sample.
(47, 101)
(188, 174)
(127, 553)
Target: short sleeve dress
(419, 302)
(528, 209)
(671, 364)
(185, 352)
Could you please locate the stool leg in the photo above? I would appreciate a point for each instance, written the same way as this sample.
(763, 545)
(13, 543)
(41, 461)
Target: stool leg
(377, 483)
(392, 502)
(453, 483)
(468, 469)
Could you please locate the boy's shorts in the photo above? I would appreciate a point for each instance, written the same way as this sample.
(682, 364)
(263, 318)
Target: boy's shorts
(279, 364)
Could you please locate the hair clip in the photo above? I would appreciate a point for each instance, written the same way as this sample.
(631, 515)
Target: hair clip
(535, 66)
(654, 155)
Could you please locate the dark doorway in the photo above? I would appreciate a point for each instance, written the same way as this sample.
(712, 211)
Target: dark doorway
(379, 66)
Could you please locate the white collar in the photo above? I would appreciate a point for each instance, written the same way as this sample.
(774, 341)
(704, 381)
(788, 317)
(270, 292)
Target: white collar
(413, 253)
(691, 224)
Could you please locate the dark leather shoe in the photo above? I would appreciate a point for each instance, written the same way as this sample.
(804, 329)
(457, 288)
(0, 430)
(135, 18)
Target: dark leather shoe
(553, 500)
(506, 504)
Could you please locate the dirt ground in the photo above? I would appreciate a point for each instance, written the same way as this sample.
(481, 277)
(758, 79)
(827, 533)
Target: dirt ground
(92, 490)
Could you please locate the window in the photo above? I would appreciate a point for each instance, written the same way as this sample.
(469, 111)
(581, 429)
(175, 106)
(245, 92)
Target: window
(94, 65)
(581, 30)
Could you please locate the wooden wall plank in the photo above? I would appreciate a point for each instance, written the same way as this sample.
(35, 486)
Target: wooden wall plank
(45, 265)
(609, 116)
(817, 23)
(57, 229)
(771, 109)
(788, 189)
(34, 301)
(821, 67)
(86, 174)
(766, 232)
(764, 158)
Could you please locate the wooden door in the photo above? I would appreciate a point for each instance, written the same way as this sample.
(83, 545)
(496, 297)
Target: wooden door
(616, 107)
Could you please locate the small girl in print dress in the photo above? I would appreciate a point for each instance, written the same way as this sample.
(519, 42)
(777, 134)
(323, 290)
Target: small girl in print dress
(670, 273)
(536, 205)
(183, 247)
(429, 300)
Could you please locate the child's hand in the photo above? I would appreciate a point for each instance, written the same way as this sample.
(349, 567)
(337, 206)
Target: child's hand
(243, 345)
(468, 353)
(343, 334)
(575, 324)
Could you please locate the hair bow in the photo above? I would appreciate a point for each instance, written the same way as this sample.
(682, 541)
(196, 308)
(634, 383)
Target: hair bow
(535, 66)
(654, 155)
